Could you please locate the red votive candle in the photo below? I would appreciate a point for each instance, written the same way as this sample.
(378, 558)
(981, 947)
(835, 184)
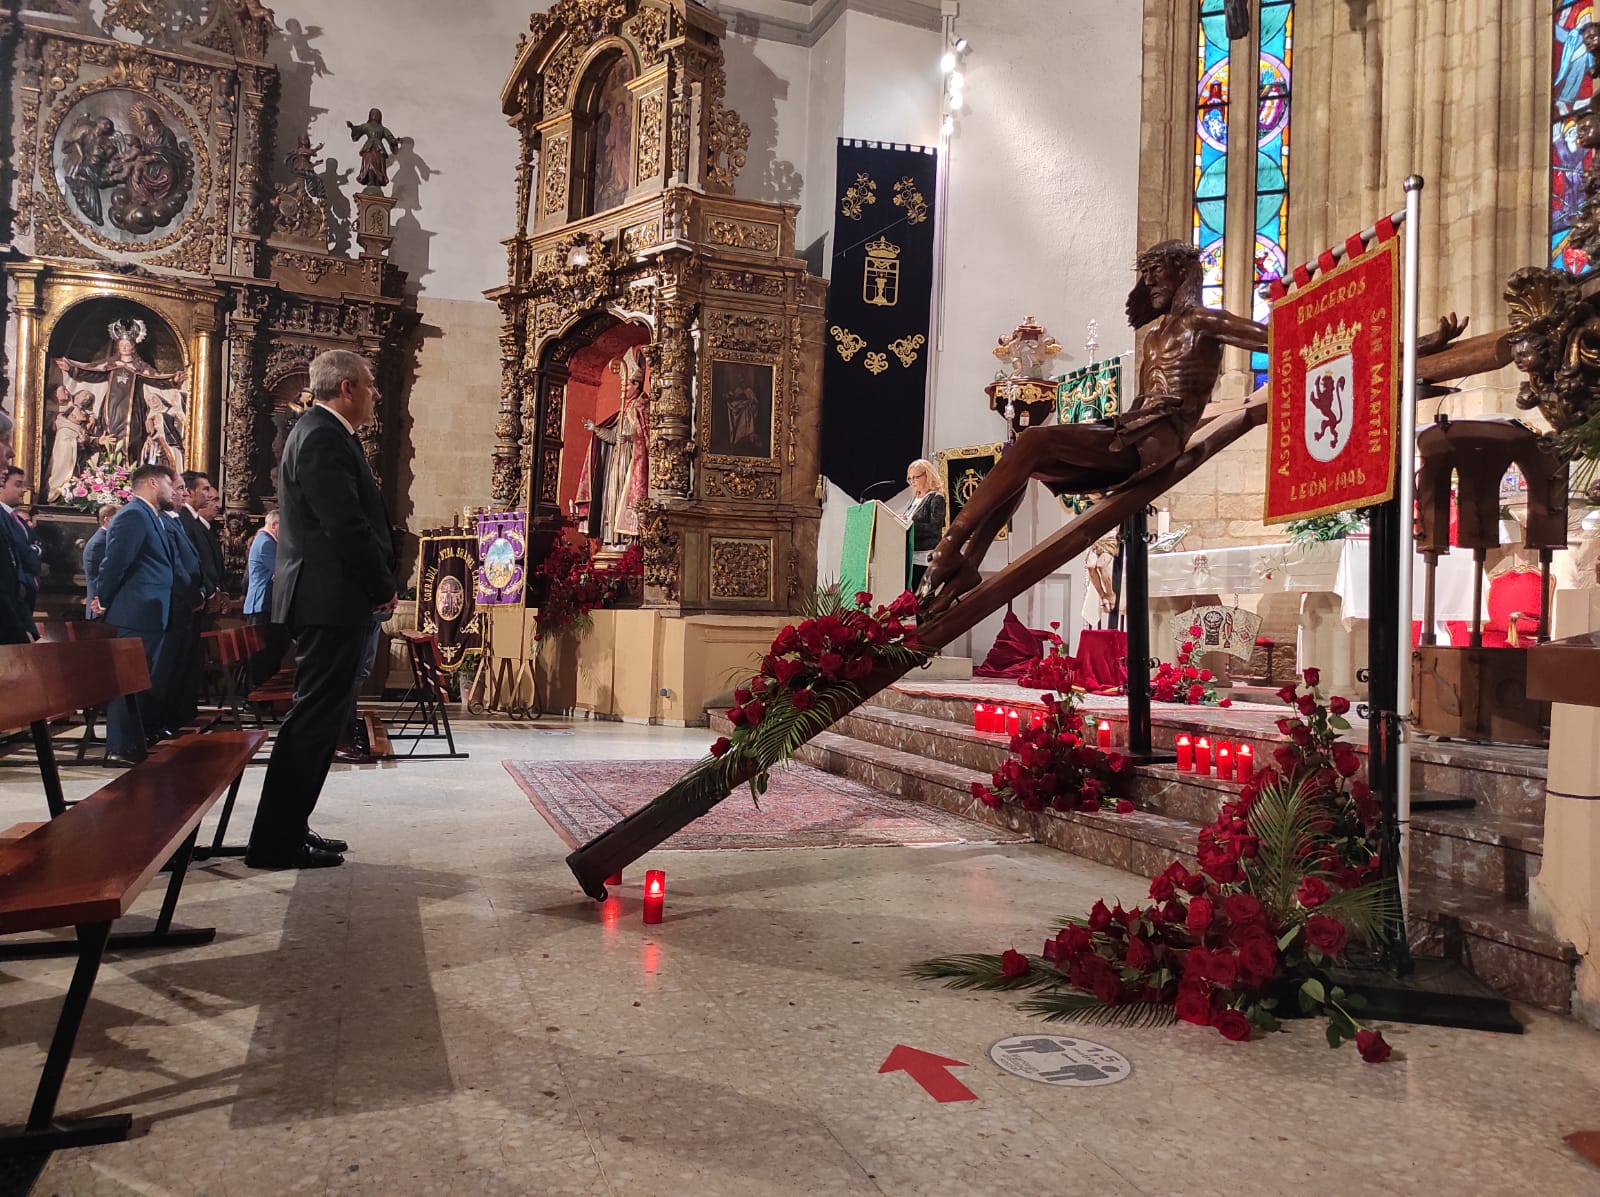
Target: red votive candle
(1103, 731)
(655, 895)
(1013, 722)
(1244, 762)
(980, 717)
(1038, 719)
(1202, 755)
(1185, 754)
(615, 878)
(1225, 761)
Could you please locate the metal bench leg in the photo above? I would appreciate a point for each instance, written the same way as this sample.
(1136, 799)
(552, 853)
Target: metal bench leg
(218, 848)
(49, 772)
(43, 1131)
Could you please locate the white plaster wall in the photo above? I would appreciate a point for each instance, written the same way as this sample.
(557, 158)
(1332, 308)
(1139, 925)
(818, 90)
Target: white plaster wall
(892, 81)
(768, 87)
(825, 108)
(436, 71)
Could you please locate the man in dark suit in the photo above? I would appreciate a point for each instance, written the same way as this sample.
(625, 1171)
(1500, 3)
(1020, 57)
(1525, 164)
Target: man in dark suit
(335, 568)
(194, 513)
(175, 680)
(18, 534)
(137, 580)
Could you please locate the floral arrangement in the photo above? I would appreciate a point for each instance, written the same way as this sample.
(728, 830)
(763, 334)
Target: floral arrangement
(1053, 765)
(577, 586)
(1287, 881)
(103, 480)
(1336, 525)
(1185, 682)
(1054, 670)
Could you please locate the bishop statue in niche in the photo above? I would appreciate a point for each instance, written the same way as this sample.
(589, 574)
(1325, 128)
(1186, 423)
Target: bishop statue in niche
(117, 409)
(121, 163)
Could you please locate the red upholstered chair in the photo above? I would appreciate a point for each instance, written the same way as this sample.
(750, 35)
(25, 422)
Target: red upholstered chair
(1514, 600)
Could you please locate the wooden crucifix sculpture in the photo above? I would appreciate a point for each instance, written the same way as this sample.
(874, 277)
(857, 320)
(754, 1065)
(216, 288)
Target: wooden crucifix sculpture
(1178, 367)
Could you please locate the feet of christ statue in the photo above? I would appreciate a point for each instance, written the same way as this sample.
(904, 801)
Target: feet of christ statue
(1179, 364)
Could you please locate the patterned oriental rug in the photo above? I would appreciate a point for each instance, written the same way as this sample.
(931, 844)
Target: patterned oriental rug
(803, 808)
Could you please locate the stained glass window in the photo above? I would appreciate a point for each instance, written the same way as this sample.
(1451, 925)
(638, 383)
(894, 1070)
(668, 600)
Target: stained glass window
(1570, 90)
(1211, 147)
(1274, 59)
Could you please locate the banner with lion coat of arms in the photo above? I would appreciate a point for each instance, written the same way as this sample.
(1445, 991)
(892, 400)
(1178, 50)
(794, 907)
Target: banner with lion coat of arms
(1334, 353)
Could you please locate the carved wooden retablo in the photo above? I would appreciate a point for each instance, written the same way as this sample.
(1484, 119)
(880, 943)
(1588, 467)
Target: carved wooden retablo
(628, 235)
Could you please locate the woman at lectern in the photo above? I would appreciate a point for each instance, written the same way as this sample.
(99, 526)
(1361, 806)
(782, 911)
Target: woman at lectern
(926, 514)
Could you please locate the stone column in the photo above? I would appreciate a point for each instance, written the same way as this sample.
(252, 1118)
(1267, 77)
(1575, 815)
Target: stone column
(1565, 897)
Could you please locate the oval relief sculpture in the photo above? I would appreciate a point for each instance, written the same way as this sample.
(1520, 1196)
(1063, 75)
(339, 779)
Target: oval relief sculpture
(124, 166)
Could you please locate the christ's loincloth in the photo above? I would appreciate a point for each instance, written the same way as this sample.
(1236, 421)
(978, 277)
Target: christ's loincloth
(1109, 454)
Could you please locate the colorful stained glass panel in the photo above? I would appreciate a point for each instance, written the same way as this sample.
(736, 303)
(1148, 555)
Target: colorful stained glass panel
(1571, 89)
(1274, 62)
(1211, 147)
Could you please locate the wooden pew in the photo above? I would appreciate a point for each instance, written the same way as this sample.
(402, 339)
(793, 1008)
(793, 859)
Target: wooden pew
(86, 866)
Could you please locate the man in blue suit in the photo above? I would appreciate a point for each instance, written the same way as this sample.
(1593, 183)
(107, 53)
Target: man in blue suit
(138, 578)
(94, 554)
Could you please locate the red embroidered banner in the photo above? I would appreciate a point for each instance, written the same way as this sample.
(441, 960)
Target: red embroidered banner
(1334, 352)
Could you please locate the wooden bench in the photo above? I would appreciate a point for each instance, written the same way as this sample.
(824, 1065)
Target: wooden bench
(427, 702)
(85, 867)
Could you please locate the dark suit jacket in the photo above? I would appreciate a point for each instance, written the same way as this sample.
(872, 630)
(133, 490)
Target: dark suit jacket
(16, 612)
(336, 561)
(208, 548)
(28, 552)
(94, 552)
(188, 579)
(137, 573)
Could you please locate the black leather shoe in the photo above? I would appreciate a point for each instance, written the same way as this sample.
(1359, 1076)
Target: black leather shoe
(323, 844)
(116, 760)
(306, 858)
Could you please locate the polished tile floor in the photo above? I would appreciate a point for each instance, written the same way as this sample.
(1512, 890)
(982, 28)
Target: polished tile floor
(447, 1015)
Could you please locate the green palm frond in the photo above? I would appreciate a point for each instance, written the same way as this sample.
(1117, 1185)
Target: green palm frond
(783, 729)
(1365, 909)
(826, 600)
(982, 970)
(1281, 820)
(1071, 1006)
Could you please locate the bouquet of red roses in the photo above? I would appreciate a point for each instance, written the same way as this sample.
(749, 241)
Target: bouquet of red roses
(1186, 682)
(1053, 765)
(1286, 880)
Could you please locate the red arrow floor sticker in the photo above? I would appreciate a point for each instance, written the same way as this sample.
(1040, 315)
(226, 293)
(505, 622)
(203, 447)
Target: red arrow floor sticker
(929, 1071)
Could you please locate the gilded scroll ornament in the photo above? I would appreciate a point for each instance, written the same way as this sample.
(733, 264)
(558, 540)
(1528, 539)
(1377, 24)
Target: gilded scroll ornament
(555, 174)
(741, 235)
(727, 141)
(848, 344)
(649, 31)
(652, 115)
(741, 569)
(906, 348)
(877, 363)
(908, 197)
(858, 195)
(751, 334)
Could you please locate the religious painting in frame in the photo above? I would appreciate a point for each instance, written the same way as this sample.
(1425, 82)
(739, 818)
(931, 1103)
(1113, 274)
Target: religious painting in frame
(612, 159)
(741, 409)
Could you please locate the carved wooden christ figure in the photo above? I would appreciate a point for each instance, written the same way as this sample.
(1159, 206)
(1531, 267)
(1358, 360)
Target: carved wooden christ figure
(1179, 364)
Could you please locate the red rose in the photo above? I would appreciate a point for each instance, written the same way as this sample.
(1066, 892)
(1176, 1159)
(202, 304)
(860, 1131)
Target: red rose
(755, 709)
(857, 668)
(1162, 888)
(741, 696)
(1258, 958)
(1077, 939)
(1327, 935)
(737, 717)
(1287, 693)
(1313, 676)
(1233, 1025)
(1243, 908)
(830, 664)
(1225, 703)
(1197, 692)
(1338, 705)
(1313, 891)
(1099, 917)
(1371, 1045)
(1201, 912)
(863, 598)
(1140, 956)
(721, 746)
(1013, 963)
(1088, 805)
(1194, 1005)
(1108, 988)
(1346, 760)
(1124, 806)
(1223, 968)
(1194, 630)
(1205, 675)
(803, 700)
(1307, 704)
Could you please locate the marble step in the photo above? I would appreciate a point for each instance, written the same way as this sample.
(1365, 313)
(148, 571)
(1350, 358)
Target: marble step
(1477, 849)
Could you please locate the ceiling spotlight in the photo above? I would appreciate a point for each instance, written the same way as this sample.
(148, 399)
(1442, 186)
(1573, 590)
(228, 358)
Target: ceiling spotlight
(949, 125)
(957, 81)
(956, 100)
(948, 62)
(962, 45)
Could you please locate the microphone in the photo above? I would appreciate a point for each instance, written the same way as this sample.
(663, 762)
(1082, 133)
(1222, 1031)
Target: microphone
(875, 485)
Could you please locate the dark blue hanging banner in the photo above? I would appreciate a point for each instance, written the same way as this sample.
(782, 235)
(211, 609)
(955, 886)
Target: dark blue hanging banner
(879, 308)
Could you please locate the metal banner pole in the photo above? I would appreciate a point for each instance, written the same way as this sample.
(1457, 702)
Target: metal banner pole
(1406, 497)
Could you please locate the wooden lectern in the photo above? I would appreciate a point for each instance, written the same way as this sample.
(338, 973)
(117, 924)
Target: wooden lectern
(877, 553)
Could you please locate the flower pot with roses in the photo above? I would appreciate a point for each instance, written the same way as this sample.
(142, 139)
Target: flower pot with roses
(1287, 881)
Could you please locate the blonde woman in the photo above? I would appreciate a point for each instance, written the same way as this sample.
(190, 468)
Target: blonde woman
(926, 514)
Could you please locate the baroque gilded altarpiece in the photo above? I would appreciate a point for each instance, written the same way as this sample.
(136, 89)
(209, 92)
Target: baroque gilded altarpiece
(140, 184)
(735, 323)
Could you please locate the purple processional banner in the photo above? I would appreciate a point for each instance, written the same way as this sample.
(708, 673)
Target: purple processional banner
(503, 555)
